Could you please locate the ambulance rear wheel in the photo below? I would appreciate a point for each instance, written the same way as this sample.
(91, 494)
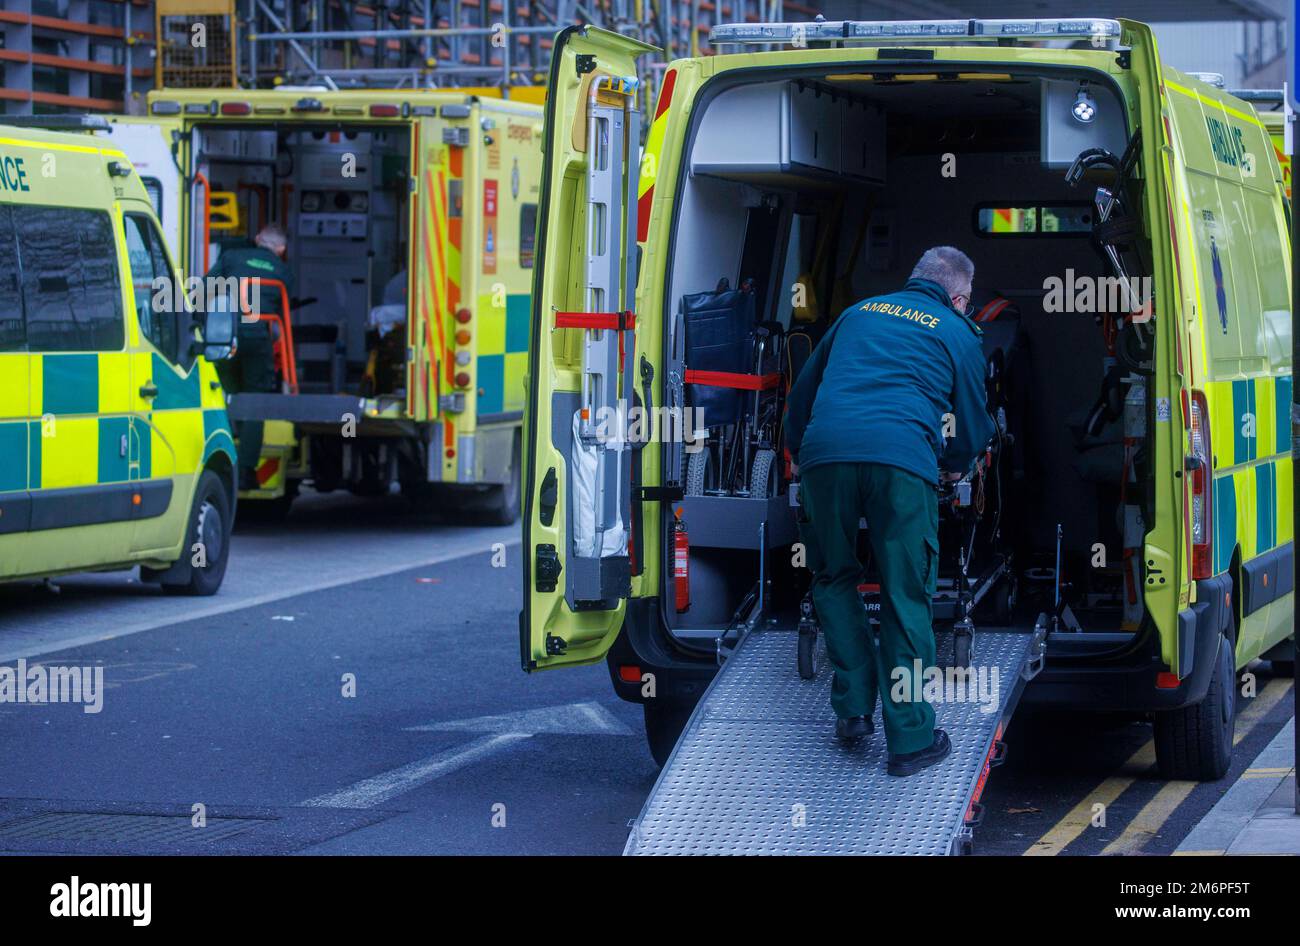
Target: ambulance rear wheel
(1195, 743)
(663, 727)
(207, 540)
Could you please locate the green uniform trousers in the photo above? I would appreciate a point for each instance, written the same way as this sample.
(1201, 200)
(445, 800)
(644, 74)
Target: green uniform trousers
(902, 514)
(251, 370)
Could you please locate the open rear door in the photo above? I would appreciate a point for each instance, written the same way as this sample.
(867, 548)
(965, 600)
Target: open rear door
(577, 505)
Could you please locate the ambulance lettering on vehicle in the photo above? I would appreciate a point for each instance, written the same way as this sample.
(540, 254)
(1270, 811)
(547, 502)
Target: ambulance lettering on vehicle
(13, 174)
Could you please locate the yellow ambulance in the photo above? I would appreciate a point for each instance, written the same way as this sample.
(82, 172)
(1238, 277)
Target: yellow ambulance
(410, 217)
(115, 449)
(1129, 222)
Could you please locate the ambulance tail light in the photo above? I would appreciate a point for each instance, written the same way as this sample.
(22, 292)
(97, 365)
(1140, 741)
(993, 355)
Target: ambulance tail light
(462, 379)
(384, 111)
(1200, 472)
(463, 316)
(236, 108)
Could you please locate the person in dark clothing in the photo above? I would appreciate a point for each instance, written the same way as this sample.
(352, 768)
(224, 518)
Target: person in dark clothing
(252, 369)
(893, 393)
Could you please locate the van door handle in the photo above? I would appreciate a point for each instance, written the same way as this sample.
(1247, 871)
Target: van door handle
(149, 390)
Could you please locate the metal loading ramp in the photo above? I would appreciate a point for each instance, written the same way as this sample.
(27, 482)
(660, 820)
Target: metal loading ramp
(759, 771)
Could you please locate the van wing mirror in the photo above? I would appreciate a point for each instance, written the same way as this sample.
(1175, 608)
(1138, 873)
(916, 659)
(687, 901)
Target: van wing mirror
(217, 329)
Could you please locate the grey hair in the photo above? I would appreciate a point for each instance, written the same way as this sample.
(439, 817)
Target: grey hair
(946, 265)
(271, 237)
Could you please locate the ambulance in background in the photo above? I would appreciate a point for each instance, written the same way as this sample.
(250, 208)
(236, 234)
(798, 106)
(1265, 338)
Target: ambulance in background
(115, 449)
(411, 218)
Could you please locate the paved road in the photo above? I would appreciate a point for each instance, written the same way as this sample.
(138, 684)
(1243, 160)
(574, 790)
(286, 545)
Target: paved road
(239, 704)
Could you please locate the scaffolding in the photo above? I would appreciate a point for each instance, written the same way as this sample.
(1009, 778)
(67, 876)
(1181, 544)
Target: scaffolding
(196, 44)
(432, 43)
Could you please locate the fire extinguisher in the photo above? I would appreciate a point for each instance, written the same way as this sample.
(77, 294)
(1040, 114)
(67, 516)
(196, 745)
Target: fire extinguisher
(681, 564)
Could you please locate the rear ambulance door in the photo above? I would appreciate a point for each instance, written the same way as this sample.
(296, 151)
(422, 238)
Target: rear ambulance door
(577, 499)
(1166, 554)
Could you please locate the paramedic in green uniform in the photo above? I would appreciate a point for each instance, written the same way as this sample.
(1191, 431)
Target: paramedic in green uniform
(252, 369)
(865, 424)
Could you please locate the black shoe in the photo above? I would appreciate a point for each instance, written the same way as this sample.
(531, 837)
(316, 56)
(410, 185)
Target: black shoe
(853, 728)
(248, 480)
(909, 763)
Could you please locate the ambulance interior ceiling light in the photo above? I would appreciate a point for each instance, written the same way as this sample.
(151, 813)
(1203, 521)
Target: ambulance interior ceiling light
(1101, 33)
(1085, 107)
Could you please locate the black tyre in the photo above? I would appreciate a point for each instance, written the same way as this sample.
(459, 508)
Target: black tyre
(269, 510)
(764, 475)
(210, 524)
(808, 654)
(502, 506)
(1195, 743)
(962, 645)
(699, 473)
(663, 727)
(1004, 604)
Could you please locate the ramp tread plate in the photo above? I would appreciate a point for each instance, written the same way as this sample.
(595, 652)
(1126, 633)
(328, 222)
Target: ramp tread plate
(758, 770)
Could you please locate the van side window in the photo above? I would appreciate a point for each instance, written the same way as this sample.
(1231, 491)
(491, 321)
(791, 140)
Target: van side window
(527, 234)
(71, 289)
(12, 335)
(148, 262)
(153, 187)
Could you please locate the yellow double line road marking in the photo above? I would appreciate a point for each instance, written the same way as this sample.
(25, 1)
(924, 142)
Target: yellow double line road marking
(1147, 823)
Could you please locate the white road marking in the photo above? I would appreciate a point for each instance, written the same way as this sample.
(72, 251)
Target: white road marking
(31, 643)
(574, 718)
(375, 791)
(499, 732)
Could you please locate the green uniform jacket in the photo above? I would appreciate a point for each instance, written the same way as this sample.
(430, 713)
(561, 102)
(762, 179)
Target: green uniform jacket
(878, 385)
(246, 262)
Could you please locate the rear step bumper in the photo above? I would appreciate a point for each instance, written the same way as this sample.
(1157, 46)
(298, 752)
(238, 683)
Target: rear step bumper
(758, 770)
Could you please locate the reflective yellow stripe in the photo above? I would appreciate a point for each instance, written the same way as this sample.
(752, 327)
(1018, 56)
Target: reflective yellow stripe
(49, 146)
(1206, 100)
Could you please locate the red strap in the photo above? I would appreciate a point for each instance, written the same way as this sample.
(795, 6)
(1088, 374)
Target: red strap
(618, 321)
(992, 310)
(728, 379)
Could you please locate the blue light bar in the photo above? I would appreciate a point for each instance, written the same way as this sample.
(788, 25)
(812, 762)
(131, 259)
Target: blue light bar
(797, 34)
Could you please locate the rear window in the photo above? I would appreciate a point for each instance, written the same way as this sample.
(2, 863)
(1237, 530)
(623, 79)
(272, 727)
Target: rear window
(71, 288)
(1033, 220)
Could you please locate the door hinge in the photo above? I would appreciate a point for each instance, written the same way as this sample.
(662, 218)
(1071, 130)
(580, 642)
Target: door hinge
(555, 646)
(584, 63)
(1124, 58)
(456, 137)
(547, 568)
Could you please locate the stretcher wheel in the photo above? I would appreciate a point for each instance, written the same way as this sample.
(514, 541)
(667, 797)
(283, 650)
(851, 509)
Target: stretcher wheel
(962, 641)
(808, 652)
(700, 473)
(763, 475)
